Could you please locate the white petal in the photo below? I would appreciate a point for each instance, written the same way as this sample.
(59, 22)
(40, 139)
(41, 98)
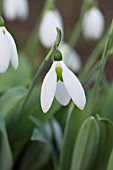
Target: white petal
(23, 9)
(48, 88)
(71, 57)
(61, 94)
(93, 24)
(9, 8)
(73, 87)
(13, 50)
(47, 30)
(4, 52)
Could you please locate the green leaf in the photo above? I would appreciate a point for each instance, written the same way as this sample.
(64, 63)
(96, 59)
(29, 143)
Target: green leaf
(11, 98)
(110, 163)
(38, 136)
(106, 109)
(73, 123)
(6, 159)
(21, 76)
(105, 144)
(35, 156)
(86, 145)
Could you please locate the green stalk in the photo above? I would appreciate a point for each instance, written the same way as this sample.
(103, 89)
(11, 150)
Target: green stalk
(103, 61)
(94, 56)
(41, 68)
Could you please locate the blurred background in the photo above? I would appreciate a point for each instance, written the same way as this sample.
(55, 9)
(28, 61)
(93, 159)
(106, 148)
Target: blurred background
(70, 11)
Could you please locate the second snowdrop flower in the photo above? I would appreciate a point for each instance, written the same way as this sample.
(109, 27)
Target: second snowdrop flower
(14, 9)
(8, 51)
(93, 24)
(63, 84)
(47, 30)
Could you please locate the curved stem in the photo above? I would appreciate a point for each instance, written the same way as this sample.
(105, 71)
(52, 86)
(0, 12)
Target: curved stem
(41, 68)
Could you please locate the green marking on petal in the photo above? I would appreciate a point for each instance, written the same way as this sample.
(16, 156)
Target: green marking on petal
(3, 30)
(59, 73)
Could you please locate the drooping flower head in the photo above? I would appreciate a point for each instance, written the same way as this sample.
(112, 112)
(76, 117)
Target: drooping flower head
(47, 30)
(8, 51)
(14, 9)
(63, 84)
(93, 24)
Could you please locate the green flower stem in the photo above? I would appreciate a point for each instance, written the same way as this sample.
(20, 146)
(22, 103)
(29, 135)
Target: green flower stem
(94, 55)
(91, 74)
(53, 144)
(41, 68)
(103, 61)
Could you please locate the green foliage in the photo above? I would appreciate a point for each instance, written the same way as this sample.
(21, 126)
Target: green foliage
(6, 157)
(65, 138)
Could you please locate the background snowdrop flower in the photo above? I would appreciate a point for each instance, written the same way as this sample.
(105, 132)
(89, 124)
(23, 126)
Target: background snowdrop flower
(8, 51)
(63, 84)
(71, 57)
(47, 30)
(14, 9)
(93, 24)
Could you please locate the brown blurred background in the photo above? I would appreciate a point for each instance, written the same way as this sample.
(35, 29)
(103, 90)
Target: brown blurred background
(70, 10)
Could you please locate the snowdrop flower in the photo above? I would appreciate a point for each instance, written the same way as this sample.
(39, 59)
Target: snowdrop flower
(63, 84)
(14, 9)
(47, 30)
(93, 24)
(8, 51)
(71, 57)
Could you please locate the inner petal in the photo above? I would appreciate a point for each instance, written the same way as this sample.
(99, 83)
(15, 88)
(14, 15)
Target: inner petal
(61, 94)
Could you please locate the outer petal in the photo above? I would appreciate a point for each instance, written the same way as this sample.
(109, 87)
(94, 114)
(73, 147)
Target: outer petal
(73, 87)
(47, 30)
(13, 50)
(61, 94)
(23, 9)
(4, 52)
(10, 10)
(93, 24)
(48, 88)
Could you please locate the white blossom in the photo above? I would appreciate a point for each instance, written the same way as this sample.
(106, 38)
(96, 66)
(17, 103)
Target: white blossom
(8, 51)
(47, 30)
(93, 24)
(14, 9)
(71, 57)
(64, 85)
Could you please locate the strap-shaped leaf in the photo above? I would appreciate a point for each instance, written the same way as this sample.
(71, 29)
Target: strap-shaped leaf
(73, 123)
(6, 160)
(110, 164)
(86, 145)
(105, 144)
(11, 98)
